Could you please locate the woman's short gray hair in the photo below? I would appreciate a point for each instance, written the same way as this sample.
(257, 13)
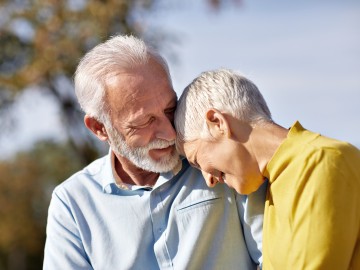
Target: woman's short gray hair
(224, 90)
(104, 60)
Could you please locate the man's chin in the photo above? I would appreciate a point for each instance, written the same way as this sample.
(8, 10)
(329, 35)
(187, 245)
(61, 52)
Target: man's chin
(157, 164)
(163, 165)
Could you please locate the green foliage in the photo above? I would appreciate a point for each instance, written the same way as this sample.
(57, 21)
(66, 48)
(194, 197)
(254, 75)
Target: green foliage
(58, 34)
(26, 185)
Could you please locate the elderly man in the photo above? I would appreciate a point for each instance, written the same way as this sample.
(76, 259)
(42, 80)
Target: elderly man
(312, 211)
(141, 206)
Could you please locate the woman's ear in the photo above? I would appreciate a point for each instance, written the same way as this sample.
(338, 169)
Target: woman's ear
(217, 124)
(96, 127)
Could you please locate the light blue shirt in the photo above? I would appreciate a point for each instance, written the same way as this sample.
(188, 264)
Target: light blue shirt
(178, 224)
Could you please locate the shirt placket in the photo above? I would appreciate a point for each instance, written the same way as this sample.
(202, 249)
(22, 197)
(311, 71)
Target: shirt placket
(158, 215)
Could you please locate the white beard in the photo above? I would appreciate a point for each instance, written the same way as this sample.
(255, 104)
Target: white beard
(139, 156)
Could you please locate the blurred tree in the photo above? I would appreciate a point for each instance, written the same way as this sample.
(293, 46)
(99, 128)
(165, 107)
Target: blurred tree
(26, 184)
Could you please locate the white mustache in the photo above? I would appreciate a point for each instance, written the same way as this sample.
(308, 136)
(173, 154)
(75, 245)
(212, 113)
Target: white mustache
(160, 144)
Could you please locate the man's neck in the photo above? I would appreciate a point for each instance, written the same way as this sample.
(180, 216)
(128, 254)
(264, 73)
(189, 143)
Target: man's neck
(128, 173)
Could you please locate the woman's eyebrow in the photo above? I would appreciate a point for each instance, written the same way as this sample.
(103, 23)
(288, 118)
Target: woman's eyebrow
(194, 163)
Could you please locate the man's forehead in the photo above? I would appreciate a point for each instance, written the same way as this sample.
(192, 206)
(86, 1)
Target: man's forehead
(135, 87)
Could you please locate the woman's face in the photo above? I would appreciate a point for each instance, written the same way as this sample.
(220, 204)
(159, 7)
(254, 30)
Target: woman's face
(225, 161)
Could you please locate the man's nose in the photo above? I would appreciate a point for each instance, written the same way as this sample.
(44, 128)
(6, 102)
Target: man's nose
(210, 180)
(166, 130)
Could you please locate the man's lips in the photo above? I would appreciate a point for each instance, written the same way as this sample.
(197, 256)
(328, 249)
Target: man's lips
(159, 153)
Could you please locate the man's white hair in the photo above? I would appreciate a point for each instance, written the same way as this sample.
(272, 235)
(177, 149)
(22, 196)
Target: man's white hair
(103, 61)
(224, 90)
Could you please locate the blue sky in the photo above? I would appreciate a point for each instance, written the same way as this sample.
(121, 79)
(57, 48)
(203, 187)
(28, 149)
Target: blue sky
(303, 55)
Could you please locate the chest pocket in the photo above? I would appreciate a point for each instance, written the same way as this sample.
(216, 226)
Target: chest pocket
(204, 202)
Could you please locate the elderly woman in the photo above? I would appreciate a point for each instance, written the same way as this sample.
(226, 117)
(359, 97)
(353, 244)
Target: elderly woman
(312, 211)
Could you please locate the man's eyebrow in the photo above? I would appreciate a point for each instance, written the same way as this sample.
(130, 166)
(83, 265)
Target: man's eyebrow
(139, 120)
(172, 103)
(170, 107)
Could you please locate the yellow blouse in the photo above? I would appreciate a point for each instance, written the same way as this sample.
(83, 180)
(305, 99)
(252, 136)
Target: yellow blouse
(312, 211)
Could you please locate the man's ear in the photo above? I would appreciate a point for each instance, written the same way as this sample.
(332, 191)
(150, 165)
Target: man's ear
(217, 124)
(96, 127)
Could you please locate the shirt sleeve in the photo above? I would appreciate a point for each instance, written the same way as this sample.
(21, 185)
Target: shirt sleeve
(325, 218)
(63, 248)
(251, 214)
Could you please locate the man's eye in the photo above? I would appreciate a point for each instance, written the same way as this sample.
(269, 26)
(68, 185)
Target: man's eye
(170, 111)
(151, 119)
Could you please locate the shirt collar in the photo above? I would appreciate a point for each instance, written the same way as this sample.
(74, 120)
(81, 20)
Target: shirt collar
(109, 182)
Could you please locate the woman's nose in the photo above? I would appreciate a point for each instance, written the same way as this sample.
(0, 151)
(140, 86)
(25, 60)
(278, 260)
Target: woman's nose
(210, 180)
